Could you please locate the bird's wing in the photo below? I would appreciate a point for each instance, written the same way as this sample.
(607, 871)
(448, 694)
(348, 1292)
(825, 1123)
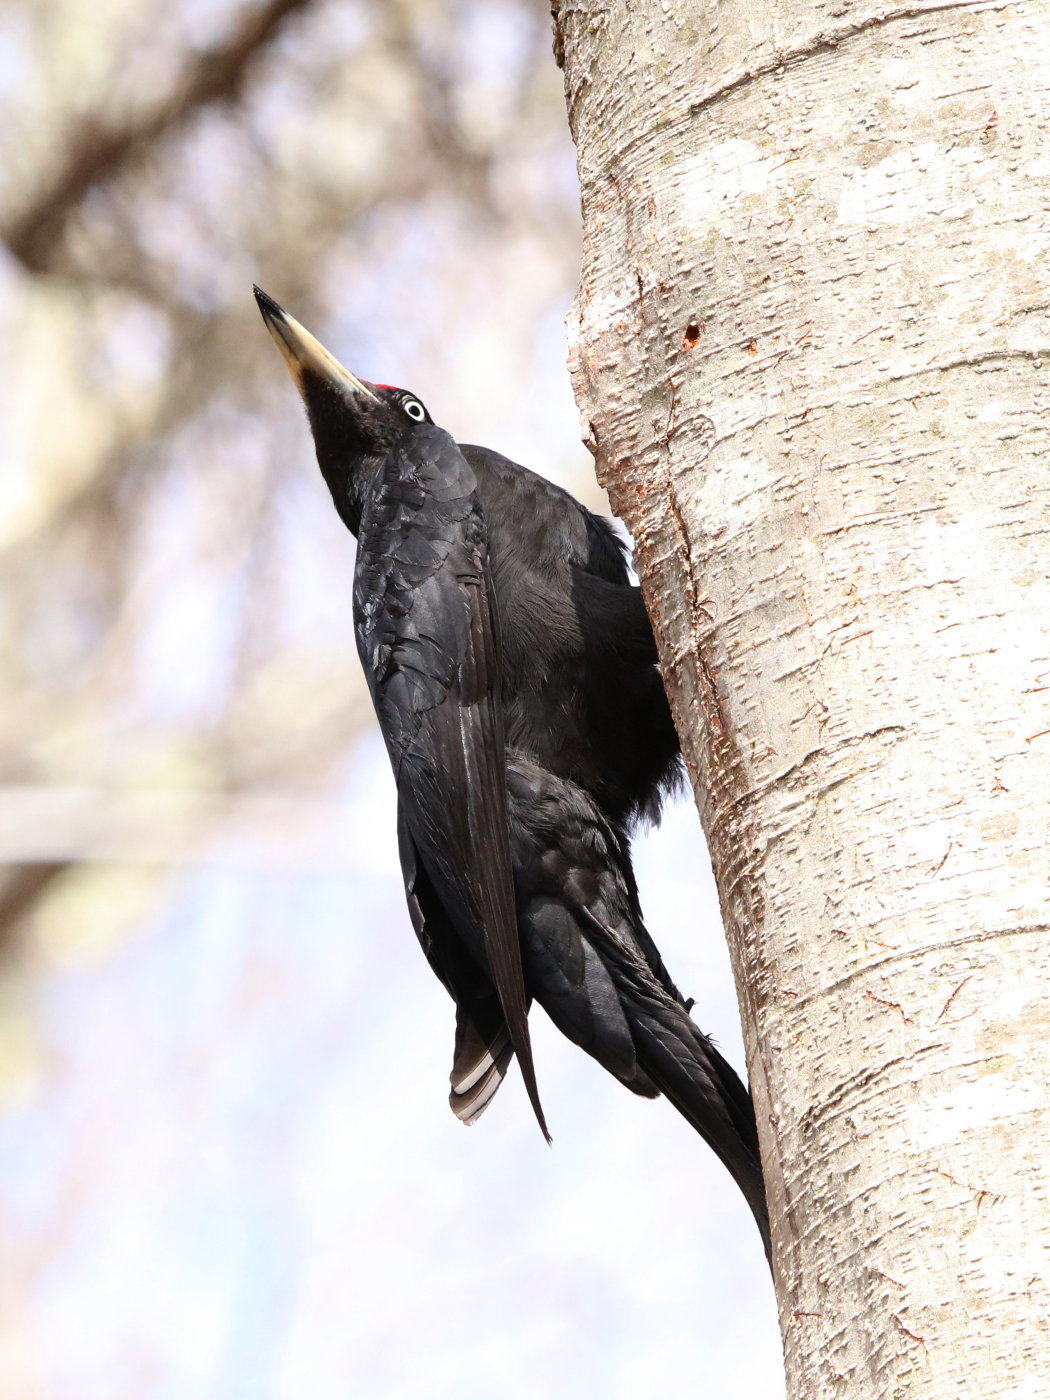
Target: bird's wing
(427, 633)
(483, 1049)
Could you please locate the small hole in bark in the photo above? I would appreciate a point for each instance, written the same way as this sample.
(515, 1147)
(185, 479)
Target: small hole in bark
(692, 334)
(752, 347)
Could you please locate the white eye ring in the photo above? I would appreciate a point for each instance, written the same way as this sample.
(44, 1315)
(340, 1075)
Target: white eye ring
(414, 409)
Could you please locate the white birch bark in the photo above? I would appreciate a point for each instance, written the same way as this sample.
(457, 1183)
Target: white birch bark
(812, 343)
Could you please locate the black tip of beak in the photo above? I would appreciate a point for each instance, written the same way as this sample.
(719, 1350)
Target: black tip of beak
(269, 308)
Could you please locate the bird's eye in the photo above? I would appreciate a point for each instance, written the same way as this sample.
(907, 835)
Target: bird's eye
(414, 409)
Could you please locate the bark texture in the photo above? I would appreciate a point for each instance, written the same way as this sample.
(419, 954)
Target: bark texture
(812, 342)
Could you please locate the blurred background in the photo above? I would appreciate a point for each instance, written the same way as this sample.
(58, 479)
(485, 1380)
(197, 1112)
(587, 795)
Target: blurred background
(227, 1165)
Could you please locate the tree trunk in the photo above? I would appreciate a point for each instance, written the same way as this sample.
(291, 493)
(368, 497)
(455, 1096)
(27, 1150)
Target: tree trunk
(811, 344)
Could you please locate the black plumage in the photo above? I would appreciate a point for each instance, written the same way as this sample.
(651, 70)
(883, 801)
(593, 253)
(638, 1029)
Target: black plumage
(513, 671)
(591, 964)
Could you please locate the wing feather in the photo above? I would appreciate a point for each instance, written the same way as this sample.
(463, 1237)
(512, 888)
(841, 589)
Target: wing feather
(483, 1049)
(428, 636)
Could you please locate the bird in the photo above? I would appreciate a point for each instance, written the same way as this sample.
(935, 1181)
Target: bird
(514, 675)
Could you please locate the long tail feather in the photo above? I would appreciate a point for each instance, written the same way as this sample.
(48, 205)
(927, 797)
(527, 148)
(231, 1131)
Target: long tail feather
(707, 1092)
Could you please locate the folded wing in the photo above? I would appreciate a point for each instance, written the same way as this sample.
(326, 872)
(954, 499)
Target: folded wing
(427, 633)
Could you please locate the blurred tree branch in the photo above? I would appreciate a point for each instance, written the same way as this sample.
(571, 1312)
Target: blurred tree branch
(100, 153)
(152, 459)
(20, 888)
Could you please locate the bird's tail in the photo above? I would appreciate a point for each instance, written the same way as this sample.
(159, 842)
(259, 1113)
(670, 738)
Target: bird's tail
(706, 1090)
(480, 1063)
(591, 964)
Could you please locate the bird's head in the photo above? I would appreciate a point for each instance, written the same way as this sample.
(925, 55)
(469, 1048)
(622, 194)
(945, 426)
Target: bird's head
(354, 423)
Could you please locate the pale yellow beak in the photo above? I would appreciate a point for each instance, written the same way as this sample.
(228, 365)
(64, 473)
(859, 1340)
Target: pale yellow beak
(303, 354)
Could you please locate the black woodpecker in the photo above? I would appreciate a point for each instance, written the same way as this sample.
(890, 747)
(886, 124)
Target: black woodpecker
(513, 672)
